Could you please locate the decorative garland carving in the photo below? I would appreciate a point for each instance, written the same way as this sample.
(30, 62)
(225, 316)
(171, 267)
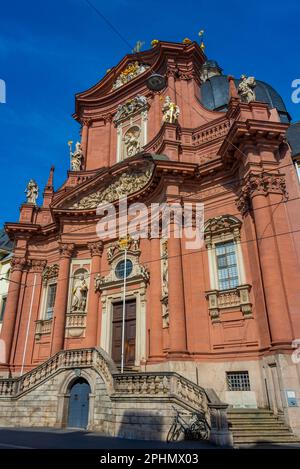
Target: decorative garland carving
(220, 225)
(50, 272)
(131, 106)
(127, 183)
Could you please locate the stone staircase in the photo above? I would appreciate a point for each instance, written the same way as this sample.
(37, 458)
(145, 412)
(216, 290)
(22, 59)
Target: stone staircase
(258, 426)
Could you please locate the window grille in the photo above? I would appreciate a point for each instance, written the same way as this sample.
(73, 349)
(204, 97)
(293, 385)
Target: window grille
(238, 381)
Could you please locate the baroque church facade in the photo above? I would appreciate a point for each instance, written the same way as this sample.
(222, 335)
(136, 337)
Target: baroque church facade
(211, 328)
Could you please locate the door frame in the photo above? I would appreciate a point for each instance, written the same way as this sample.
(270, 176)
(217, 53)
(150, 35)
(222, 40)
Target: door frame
(108, 300)
(74, 382)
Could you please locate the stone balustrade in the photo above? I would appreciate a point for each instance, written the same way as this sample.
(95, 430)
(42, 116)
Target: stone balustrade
(147, 390)
(82, 358)
(7, 387)
(161, 384)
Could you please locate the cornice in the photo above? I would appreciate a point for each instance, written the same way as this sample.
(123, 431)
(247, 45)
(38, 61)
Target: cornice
(101, 94)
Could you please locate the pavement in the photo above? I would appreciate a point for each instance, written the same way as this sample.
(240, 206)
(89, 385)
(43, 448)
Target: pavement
(58, 438)
(50, 438)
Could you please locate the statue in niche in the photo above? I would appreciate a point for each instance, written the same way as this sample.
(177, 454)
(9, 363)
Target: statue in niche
(170, 111)
(79, 294)
(76, 156)
(132, 141)
(246, 89)
(32, 192)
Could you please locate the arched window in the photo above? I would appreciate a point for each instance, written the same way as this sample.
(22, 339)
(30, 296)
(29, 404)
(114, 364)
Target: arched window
(49, 277)
(228, 287)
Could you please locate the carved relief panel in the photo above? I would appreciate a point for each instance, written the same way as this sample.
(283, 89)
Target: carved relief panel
(131, 122)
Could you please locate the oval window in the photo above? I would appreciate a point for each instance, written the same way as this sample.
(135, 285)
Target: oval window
(124, 270)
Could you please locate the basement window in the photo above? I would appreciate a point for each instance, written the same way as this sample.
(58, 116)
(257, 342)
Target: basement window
(238, 381)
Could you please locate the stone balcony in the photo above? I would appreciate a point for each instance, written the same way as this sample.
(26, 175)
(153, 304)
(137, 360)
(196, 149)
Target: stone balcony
(43, 326)
(234, 298)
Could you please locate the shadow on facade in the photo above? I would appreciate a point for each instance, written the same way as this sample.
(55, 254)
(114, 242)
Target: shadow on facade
(142, 426)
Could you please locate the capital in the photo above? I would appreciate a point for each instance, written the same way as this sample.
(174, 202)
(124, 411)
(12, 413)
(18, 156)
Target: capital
(18, 263)
(38, 265)
(96, 249)
(66, 249)
(260, 184)
(85, 122)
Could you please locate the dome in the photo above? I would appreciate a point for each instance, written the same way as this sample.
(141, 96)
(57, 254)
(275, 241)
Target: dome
(214, 95)
(293, 137)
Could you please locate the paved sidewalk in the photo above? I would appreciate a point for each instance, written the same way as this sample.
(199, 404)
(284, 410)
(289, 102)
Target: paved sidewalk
(48, 438)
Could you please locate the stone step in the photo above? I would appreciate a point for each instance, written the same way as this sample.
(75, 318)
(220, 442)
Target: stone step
(264, 439)
(269, 433)
(253, 428)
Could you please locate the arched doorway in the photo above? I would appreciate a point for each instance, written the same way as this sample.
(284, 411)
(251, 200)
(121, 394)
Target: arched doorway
(78, 412)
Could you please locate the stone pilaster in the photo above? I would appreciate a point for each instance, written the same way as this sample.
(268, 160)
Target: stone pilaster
(255, 196)
(9, 321)
(96, 250)
(60, 306)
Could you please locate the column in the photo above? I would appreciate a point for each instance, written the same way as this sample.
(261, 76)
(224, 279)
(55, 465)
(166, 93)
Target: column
(9, 320)
(279, 321)
(156, 323)
(84, 138)
(30, 308)
(91, 338)
(60, 306)
(177, 327)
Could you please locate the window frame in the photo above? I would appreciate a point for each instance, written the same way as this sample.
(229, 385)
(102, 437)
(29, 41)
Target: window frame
(45, 315)
(227, 268)
(223, 229)
(2, 310)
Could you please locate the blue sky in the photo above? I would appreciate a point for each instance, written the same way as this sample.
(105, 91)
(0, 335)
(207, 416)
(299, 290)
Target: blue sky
(53, 49)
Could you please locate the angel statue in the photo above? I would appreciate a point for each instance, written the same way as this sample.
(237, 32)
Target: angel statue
(246, 89)
(170, 111)
(79, 294)
(32, 192)
(76, 156)
(98, 282)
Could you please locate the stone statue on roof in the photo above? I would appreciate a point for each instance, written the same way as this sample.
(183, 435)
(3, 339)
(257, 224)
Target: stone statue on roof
(170, 111)
(76, 157)
(32, 192)
(246, 89)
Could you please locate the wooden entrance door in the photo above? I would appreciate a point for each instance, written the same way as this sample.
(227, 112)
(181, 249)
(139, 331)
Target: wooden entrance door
(130, 332)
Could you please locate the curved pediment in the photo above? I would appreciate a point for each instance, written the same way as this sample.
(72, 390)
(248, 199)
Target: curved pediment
(109, 187)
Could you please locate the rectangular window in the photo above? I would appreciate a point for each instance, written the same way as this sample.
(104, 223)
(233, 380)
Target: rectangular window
(51, 292)
(2, 309)
(238, 381)
(227, 265)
